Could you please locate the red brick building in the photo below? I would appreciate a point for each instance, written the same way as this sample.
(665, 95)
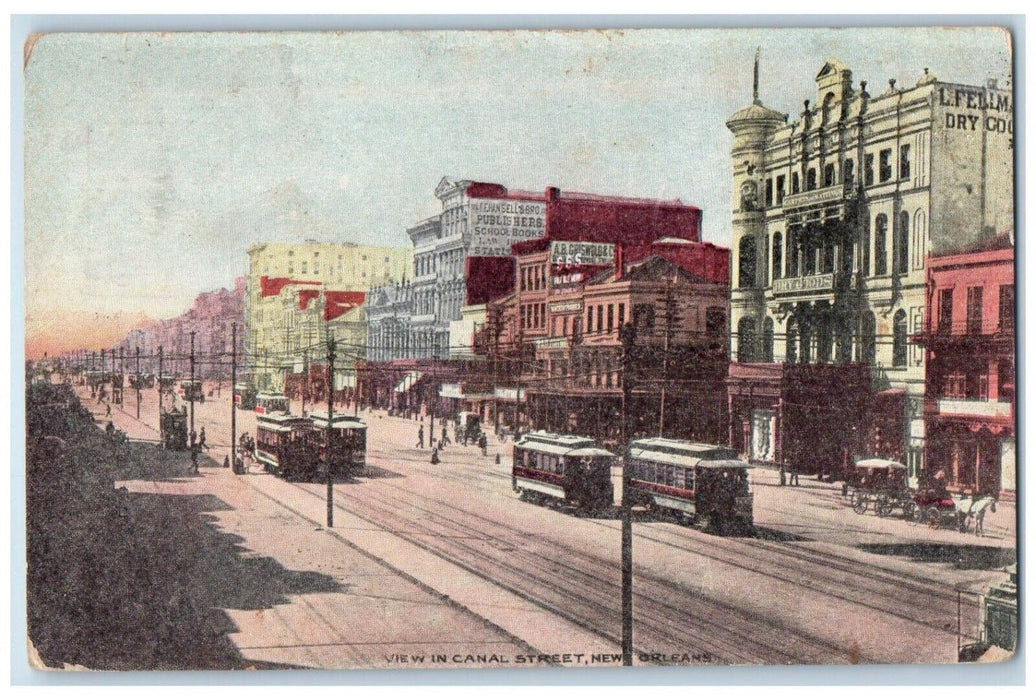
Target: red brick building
(555, 353)
(969, 345)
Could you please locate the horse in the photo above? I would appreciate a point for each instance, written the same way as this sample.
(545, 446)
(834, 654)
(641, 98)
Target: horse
(974, 508)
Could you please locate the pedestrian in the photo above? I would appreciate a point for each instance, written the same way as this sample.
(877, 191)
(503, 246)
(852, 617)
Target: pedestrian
(108, 410)
(226, 461)
(201, 440)
(420, 437)
(435, 456)
(445, 437)
(110, 429)
(194, 439)
(784, 476)
(794, 481)
(483, 443)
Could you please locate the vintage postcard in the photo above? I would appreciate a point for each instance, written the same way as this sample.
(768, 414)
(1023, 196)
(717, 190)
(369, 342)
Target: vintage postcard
(520, 349)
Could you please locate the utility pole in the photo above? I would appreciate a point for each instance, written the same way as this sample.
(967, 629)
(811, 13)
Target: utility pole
(327, 439)
(159, 383)
(305, 377)
(669, 309)
(194, 449)
(137, 382)
(628, 336)
(233, 396)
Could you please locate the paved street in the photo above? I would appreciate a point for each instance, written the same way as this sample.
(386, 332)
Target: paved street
(445, 560)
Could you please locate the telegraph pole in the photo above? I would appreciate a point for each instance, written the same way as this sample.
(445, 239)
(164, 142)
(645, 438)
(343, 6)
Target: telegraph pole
(159, 383)
(194, 449)
(327, 439)
(670, 318)
(628, 336)
(233, 396)
(138, 382)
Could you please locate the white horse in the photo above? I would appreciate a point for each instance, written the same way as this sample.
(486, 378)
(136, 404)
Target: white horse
(972, 508)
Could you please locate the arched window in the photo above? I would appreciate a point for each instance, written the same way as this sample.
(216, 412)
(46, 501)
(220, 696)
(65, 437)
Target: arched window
(881, 230)
(829, 175)
(793, 253)
(899, 339)
(791, 332)
(746, 262)
(778, 257)
(847, 173)
(811, 179)
(867, 340)
(766, 348)
(865, 249)
(918, 241)
(902, 255)
(824, 339)
(746, 339)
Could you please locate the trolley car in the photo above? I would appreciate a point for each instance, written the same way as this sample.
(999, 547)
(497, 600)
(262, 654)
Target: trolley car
(567, 468)
(173, 435)
(191, 390)
(348, 442)
(703, 482)
(284, 446)
(266, 402)
(244, 396)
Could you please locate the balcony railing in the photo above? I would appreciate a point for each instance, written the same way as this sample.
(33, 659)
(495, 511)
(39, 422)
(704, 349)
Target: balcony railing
(974, 407)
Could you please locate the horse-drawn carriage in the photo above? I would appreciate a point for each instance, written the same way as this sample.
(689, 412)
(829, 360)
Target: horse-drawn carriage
(882, 485)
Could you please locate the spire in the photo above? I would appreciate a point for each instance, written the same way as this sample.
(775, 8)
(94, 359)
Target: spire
(755, 79)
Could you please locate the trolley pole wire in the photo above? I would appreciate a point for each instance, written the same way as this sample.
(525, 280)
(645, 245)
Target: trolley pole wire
(327, 441)
(628, 336)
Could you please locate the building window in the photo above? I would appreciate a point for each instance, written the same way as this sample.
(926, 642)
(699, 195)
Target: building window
(829, 175)
(899, 339)
(769, 192)
(1005, 381)
(868, 169)
(902, 252)
(885, 165)
(945, 322)
(811, 179)
(715, 322)
(746, 262)
(777, 255)
(974, 310)
(904, 162)
(881, 225)
(589, 319)
(829, 257)
(794, 183)
(824, 339)
(1007, 307)
(865, 249)
(791, 333)
(766, 348)
(847, 173)
(746, 339)
(611, 317)
(600, 318)
(793, 253)
(780, 189)
(868, 347)
(622, 315)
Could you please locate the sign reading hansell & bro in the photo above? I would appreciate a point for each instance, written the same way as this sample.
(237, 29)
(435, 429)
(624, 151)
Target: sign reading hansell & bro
(498, 223)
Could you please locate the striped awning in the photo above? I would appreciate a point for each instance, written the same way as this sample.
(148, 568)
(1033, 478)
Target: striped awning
(408, 382)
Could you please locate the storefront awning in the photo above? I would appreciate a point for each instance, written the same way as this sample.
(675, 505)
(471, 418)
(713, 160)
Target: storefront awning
(408, 382)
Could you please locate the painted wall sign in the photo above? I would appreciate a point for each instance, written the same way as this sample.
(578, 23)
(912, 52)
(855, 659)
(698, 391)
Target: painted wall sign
(496, 224)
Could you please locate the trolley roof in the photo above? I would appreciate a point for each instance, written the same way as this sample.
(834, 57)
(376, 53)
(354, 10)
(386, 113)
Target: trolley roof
(282, 422)
(879, 463)
(539, 438)
(337, 421)
(271, 395)
(685, 454)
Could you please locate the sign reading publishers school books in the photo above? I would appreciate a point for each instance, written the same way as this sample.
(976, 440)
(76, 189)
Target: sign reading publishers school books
(498, 223)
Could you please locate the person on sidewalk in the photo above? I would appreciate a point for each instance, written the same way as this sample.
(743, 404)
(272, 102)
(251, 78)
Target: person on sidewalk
(483, 443)
(794, 480)
(420, 437)
(201, 439)
(445, 437)
(108, 410)
(435, 456)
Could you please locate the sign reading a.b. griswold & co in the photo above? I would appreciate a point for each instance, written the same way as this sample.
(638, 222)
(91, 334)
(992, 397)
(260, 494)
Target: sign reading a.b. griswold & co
(571, 262)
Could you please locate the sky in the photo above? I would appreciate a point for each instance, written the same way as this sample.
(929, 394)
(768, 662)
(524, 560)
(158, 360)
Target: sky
(153, 160)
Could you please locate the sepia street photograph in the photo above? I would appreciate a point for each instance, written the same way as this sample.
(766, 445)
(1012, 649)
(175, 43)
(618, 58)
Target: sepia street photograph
(519, 349)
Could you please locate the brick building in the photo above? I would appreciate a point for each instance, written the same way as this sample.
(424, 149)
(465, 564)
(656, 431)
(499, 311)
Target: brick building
(969, 342)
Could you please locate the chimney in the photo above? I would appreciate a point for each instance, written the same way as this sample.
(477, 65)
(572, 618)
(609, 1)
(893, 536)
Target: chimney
(620, 262)
(553, 193)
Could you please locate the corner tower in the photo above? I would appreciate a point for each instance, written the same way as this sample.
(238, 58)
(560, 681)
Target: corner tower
(753, 127)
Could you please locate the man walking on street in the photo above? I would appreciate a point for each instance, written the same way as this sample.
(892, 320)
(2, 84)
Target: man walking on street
(201, 439)
(794, 480)
(420, 437)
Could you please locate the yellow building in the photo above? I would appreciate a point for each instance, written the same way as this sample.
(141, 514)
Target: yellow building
(285, 329)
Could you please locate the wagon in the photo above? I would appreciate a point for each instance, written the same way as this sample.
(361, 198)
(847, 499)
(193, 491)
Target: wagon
(880, 484)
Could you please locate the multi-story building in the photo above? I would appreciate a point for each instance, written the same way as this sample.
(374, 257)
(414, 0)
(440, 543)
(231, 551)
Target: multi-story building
(556, 354)
(833, 215)
(463, 257)
(970, 362)
(211, 318)
(287, 288)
